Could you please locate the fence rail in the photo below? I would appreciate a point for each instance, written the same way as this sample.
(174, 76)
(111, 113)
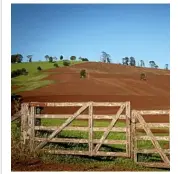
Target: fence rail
(134, 121)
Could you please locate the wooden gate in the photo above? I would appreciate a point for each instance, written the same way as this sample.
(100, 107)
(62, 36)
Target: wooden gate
(138, 122)
(85, 128)
(94, 143)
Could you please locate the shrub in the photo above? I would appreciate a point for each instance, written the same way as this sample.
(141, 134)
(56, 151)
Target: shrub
(56, 65)
(39, 68)
(24, 71)
(82, 73)
(18, 72)
(84, 59)
(13, 74)
(142, 76)
(66, 63)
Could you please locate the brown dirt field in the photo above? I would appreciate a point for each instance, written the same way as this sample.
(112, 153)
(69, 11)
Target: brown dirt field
(106, 82)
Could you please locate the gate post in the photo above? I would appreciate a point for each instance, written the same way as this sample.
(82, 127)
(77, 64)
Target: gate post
(31, 126)
(24, 122)
(90, 124)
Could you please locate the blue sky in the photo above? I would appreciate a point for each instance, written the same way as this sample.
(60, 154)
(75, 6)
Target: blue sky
(138, 30)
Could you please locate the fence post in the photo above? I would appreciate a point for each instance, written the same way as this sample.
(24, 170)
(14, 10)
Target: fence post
(90, 121)
(24, 122)
(31, 125)
(128, 129)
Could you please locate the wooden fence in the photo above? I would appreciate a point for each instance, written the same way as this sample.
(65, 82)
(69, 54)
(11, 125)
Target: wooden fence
(133, 121)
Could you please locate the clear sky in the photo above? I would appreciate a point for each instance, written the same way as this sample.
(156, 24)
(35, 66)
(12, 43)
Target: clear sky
(138, 30)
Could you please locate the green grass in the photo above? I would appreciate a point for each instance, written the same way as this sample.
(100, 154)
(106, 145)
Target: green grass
(82, 123)
(15, 130)
(141, 144)
(89, 163)
(97, 163)
(32, 67)
(34, 79)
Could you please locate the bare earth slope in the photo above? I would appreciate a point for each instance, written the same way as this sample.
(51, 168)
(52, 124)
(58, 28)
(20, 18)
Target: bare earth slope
(106, 82)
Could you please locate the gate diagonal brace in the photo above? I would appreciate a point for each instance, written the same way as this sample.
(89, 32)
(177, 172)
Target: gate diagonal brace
(60, 128)
(106, 133)
(153, 139)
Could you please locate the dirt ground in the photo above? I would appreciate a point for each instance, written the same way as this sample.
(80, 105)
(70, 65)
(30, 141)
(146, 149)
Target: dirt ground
(104, 83)
(37, 165)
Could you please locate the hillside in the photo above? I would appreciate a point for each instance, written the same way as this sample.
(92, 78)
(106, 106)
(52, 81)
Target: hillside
(105, 82)
(35, 78)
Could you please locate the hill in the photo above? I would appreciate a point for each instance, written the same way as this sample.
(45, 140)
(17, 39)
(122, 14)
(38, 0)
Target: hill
(34, 79)
(105, 82)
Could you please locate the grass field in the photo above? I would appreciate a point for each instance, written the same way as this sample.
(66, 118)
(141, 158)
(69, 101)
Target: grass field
(97, 135)
(86, 162)
(34, 79)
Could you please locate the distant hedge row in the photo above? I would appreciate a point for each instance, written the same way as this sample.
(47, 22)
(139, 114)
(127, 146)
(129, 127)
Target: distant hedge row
(19, 72)
(84, 59)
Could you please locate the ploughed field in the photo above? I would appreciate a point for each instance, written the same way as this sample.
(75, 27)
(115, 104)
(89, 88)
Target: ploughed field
(105, 83)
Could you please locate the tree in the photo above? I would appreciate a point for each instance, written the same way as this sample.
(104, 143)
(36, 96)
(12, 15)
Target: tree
(29, 58)
(16, 58)
(47, 57)
(166, 66)
(19, 58)
(105, 57)
(125, 61)
(73, 58)
(13, 58)
(55, 58)
(152, 64)
(61, 57)
(142, 64)
(51, 59)
(132, 61)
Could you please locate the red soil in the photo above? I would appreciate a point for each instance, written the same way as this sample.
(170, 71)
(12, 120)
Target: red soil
(106, 82)
(14, 87)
